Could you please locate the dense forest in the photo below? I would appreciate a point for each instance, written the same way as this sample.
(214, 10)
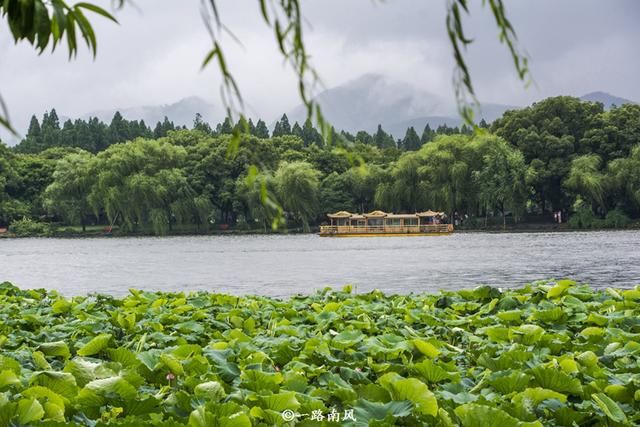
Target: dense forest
(560, 154)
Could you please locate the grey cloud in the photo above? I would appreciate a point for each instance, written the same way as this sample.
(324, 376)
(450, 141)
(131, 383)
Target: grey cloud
(154, 56)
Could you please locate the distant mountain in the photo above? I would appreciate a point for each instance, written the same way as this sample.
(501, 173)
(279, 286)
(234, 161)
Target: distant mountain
(373, 99)
(180, 113)
(607, 99)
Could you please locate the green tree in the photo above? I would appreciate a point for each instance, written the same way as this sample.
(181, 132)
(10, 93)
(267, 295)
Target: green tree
(67, 196)
(382, 140)
(261, 130)
(298, 185)
(411, 141)
(201, 125)
(624, 175)
(405, 192)
(501, 180)
(282, 127)
(427, 135)
(142, 183)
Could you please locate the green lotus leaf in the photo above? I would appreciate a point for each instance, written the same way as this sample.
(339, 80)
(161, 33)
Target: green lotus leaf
(592, 332)
(96, 345)
(8, 378)
(117, 385)
(53, 403)
(211, 390)
(347, 339)
(556, 380)
(426, 348)
(61, 306)
(609, 407)
(413, 390)
(82, 370)
(509, 381)
(560, 288)
(257, 380)
(365, 411)
(510, 315)
(7, 363)
(475, 415)
(433, 373)
(29, 411)
(62, 383)
(527, 334)
(57, 348)
(619, 393)
(280, 401)
(588, 358)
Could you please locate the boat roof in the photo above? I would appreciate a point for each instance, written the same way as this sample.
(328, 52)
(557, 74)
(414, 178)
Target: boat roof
(340, 214)
(375, 214)
(430, 213)
(382, 214)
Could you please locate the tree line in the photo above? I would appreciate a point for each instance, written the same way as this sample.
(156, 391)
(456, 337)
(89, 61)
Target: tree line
(560, 154)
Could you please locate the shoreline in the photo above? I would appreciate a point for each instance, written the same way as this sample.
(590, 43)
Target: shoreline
(520, 228)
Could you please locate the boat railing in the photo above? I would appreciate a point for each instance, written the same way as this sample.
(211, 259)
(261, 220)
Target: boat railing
(382, 229)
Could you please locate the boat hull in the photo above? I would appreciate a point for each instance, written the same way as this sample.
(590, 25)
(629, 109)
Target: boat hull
(384, 234)
(385, 231)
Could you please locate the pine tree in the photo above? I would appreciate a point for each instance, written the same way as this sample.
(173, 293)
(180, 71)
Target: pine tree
(411, 141)
(282, 127)
(252, 127)
(68, 135)
(364, 137)
(297, 131)
(225, 128)
(50, 129)
(262, 131)
(34, 128)
(310, 135)
(428, 134)
(242, 126)
(383, 140)
(33, 140)
(201, 125)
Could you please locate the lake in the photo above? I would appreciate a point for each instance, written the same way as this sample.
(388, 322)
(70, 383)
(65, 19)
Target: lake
(281, 265)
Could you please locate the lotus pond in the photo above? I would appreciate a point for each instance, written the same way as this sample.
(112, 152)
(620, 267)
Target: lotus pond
(550, 353)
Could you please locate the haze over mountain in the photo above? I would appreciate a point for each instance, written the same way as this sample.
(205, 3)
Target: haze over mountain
(373, 99)
(607, 99)
(180, 113)
(359, 104)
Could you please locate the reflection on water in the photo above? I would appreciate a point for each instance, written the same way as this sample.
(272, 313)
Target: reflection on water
(285, 265)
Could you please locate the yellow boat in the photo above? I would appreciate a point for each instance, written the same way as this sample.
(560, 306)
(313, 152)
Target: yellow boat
(379, 223)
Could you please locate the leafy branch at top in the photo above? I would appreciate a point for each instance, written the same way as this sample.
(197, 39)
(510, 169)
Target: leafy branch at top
(463, 86)
(43, 23)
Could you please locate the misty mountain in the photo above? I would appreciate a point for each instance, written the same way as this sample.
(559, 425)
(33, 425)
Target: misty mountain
(373, 99)
(607, 99)
(180, 113)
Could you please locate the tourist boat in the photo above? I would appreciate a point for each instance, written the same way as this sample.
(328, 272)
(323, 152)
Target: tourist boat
(378, 223)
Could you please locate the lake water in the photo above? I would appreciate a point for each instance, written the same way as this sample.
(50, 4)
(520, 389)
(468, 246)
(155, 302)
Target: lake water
(285, 265)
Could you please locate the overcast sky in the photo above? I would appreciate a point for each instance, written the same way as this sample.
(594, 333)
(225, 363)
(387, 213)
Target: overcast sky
(154, 55)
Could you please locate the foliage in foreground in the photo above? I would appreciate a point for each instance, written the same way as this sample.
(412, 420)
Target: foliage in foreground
(552, 353)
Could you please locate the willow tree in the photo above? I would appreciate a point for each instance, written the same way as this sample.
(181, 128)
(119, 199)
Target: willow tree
(501, 180)
(406, 190)
(143, 182)
(625, 177)
(297, 186)
(447, 167)
(586, 181)
(68, 195)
